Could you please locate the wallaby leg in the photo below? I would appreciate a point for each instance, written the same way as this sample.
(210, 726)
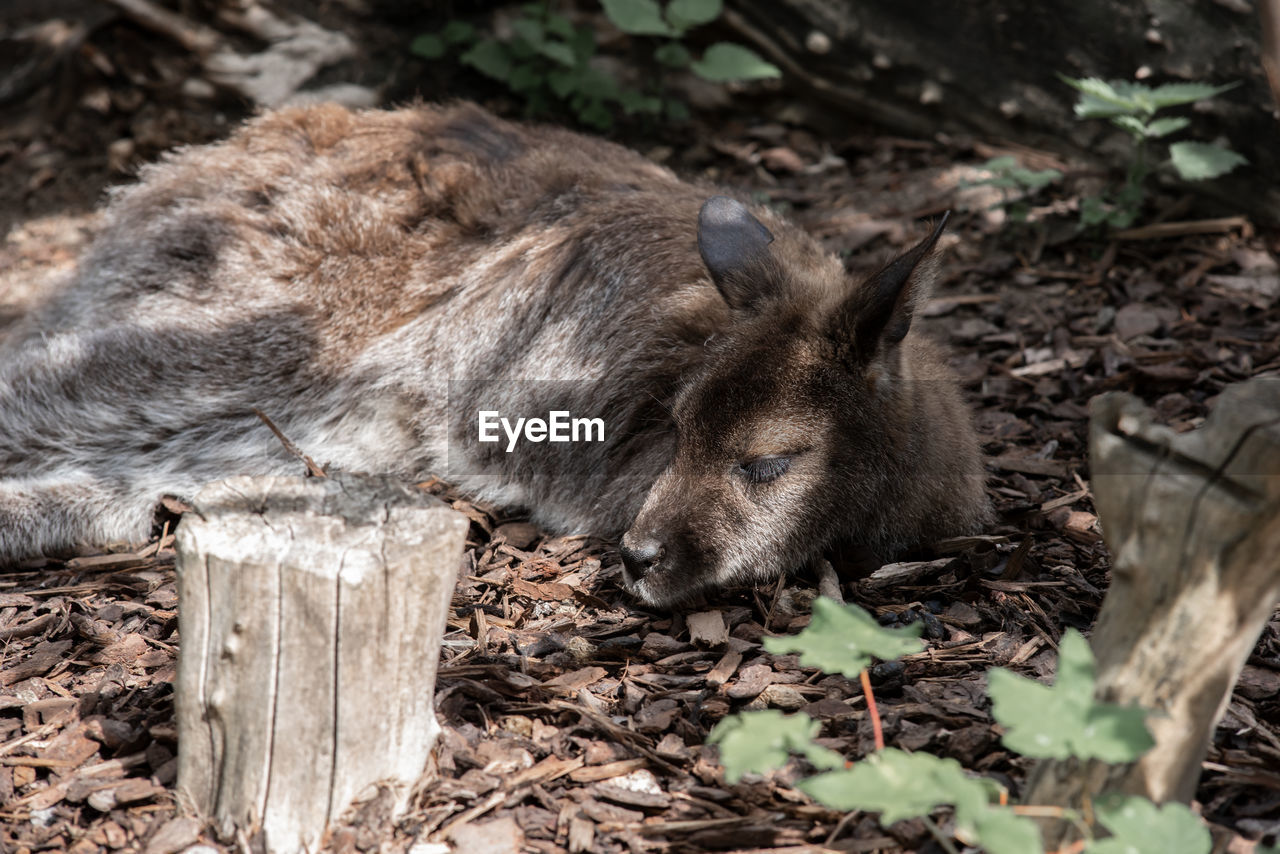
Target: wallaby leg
(45, 516)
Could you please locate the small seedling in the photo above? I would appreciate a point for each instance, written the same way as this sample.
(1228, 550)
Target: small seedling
(1041, 722)
(1132, 107)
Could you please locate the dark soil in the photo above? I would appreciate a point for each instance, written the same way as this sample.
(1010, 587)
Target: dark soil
(572, 719)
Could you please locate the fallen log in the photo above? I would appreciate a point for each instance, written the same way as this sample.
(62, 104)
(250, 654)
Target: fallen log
(1193, 525)
(311, 618)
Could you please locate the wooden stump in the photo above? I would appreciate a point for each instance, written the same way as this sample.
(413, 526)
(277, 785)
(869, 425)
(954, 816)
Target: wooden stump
(1193, 524)
(311, 617)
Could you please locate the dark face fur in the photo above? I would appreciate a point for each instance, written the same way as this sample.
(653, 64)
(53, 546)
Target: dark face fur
(793, 432)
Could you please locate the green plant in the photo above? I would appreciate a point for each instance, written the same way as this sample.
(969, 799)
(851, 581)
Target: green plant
(546, 59)
(1040, 721)
(1132, 107)
(1015, 182)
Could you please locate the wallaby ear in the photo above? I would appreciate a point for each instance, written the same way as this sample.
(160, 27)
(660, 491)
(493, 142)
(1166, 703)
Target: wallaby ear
(878, 315)
(731, 241)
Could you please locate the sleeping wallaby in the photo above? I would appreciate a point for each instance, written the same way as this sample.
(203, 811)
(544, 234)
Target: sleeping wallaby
(396, 289)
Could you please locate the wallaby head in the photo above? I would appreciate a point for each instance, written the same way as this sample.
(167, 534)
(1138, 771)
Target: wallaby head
(808, 422)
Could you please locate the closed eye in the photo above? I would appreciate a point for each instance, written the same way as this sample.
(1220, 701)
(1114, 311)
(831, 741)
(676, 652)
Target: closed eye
(764, 469)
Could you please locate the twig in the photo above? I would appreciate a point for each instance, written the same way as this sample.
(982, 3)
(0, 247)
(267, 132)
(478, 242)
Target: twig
(876, 731)
(195, 37)
(828, 581)
(312, 469)
(1179, 229)
(938, 835)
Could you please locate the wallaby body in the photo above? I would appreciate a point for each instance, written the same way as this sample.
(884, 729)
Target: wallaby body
(372, 281)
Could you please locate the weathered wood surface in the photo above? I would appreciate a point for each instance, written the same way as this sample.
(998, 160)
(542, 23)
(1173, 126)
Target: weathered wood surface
(1193, 525)
(311, 614)
(989, 69)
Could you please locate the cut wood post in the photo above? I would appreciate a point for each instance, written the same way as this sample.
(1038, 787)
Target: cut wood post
(311, 615)
(1193, 525)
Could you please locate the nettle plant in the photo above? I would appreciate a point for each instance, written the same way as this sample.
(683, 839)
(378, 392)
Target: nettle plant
(1132, 107)
(1040, 721)
(547, 60)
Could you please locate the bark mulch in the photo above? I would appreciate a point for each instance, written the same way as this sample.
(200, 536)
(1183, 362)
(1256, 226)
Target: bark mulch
(574, 721)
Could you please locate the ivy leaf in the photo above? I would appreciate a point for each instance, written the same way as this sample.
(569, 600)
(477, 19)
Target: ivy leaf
(725, 61)
(1166, 126)
(1140, 827)
(686, 14)
(1057, 722)
(843, 639)
(489, 57)
(1198, 161)
(637, 17)
(1172, 94)
(761, 741)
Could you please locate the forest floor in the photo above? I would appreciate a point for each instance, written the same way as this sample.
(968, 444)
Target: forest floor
(574, 719)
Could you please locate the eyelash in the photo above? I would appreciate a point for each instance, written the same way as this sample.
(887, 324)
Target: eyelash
(764, 469)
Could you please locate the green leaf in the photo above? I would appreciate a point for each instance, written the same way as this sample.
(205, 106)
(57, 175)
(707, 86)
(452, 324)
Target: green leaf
(559, 52)
(898, 785)
(1166, 126)
(1198, 161)
(756, 742)
(843, 639)
(428, 46)
(457, 32)
(1140, 827)
(594, 113)
(677, 111)
(559, 25)
(637, 17)
(490, 57)
(1172, 94)
(1100, 99)
(1002, 163)
(1093, 211)
(724, 61)
(1001, 831)
(1134, 125)
(686, 14)
(529, 29)
(598, 84)
(637, 102)
(672, 55)
(1032, 181)
(583, 43)
(563, 82)
(525, 77)
(1057, 722)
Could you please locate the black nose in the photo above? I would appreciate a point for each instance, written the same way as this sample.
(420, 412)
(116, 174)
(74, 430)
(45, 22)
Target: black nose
(640, 554)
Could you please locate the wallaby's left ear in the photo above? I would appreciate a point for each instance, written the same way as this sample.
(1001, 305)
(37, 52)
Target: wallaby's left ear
(878, 314)
(732, 242)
